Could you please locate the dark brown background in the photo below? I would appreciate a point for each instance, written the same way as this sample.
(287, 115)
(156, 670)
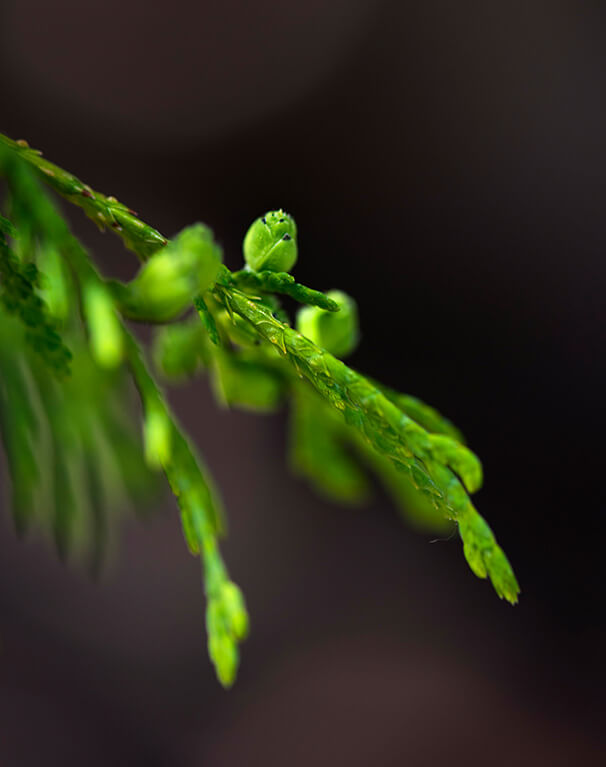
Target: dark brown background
(446, 165)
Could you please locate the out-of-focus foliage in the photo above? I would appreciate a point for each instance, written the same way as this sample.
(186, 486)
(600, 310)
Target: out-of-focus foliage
(70, 367)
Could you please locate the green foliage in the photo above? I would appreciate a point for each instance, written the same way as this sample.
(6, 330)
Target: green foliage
(281, 283)
(177, 349)
(73, 446)
(337, 333)
(105, 212)
(165, 284)
(18, 286)
(319, 439)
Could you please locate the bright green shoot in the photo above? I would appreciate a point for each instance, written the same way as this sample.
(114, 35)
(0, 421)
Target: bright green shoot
(70, 366)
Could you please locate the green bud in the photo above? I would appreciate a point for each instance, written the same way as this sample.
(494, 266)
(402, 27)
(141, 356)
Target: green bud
(169, 281)
(337, 332)
(234, 609)
(246, 384)
(271, 243)
(157, 437)
(222, 636)
(224, 656)
(54, 284)
(106, 339)
(176, 349)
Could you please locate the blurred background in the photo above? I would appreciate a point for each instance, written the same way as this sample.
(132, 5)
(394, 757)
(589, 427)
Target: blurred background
(446, 165)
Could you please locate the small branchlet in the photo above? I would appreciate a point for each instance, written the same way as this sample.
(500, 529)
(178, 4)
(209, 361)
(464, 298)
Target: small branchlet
(284, 284)
(343, 424)
(105, 212)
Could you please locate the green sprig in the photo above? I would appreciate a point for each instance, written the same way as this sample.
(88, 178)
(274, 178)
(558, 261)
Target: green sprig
(106, 212)
(342, 422)
(166, 447)
(282, 283)
(432, 461)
